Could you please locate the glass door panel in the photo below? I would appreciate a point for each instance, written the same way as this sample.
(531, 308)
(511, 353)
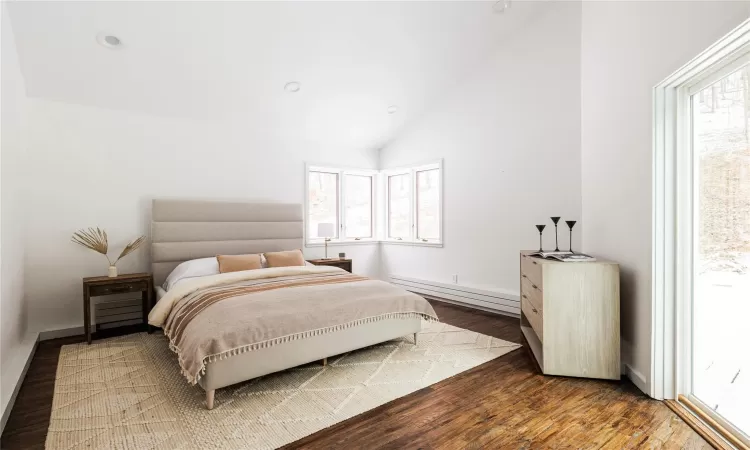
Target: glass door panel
(721, 272)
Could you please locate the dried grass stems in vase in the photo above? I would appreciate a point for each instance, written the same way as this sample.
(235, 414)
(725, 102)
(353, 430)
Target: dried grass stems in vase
(96, 240)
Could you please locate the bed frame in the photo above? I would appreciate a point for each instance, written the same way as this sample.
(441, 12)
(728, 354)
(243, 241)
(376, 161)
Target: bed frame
(182, 230)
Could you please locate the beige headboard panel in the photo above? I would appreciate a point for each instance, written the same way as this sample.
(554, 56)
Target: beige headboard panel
(188, 229)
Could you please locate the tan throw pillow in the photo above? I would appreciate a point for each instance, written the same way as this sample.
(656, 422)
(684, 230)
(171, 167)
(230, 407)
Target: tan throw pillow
(285, 259)
(235, 263)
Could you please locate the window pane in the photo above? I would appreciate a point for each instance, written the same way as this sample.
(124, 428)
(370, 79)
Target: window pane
(358, 206)
(323, 191)
(721, 290)
(398, 206)
(428, 204)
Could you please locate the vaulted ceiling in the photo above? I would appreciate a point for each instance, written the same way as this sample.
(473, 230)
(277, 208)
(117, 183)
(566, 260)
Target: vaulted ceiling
(214, 60)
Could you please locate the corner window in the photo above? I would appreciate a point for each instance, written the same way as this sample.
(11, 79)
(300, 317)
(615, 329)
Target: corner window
(322, 201)
(428, 204)
(340, 205)
(358, 206)
(399, 206)
(414, 204)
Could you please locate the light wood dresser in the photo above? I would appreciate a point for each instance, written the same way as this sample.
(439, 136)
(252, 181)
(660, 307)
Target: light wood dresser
(570, 316)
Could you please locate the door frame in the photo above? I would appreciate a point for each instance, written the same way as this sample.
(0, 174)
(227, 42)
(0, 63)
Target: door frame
(674, 218)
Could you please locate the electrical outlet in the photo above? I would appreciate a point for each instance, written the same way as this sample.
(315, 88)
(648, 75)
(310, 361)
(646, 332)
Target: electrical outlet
(455, 279)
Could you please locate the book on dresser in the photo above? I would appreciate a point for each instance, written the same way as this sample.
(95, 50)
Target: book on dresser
(565, 256)
(570, 316)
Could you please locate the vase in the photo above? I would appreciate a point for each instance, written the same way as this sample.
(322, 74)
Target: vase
(112, 272)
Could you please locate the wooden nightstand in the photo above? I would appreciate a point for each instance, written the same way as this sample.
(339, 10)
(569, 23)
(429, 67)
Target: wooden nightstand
(345, 264)
(99, 286)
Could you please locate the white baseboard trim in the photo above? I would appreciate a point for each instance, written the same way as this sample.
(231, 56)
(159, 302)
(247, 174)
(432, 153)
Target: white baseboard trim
(466, 305)
(486, 299)
(27, 352)
(63, 332)
(636, 377)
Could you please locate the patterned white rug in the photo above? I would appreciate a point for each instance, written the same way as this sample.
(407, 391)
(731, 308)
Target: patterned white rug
(127, 392)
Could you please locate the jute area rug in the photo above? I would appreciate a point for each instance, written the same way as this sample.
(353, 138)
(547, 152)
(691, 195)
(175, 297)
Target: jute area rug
(127, 392)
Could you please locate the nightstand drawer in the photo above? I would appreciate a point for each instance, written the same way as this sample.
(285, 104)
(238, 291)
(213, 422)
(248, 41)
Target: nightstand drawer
(136, 286)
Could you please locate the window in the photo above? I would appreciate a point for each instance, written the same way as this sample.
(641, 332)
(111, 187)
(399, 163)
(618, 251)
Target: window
(700, 216)
(720, 121)
(323, 204)
(410, 211)
(414, 204)
(399, 206)
(428, 204)
(342, 198)
(358, 206)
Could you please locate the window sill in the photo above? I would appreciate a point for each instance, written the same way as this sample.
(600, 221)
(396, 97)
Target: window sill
(341, 243)
(415, 243)
(373, 241)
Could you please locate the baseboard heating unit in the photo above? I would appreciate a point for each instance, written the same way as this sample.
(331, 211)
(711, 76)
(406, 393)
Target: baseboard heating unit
(482, 298)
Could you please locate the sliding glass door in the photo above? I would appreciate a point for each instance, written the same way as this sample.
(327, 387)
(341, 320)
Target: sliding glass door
(719, 335)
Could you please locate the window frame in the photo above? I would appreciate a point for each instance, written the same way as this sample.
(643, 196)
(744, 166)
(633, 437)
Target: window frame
(372, 174)
(380, 213)
(341, 238)
(413, 238)
(673, 215)
(387, 200)
(415, 202)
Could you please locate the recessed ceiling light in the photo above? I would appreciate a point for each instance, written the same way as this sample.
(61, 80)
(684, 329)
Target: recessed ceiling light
(108, 40)
(392, 109)
(292, 86)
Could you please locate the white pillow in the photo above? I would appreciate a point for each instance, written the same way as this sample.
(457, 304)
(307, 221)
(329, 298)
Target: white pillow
(190, 269)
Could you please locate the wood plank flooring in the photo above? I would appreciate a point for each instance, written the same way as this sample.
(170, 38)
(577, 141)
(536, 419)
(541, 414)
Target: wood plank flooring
(504, 403)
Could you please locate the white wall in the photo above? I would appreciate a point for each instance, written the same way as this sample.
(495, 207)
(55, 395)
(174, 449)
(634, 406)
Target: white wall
(626, 49)
(568, 95)
(98, 167)
(510, 138)
(13, 336)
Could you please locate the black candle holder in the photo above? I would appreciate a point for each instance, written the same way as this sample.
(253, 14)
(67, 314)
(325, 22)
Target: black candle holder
(555, 220)
(570, 225)
(540, 228)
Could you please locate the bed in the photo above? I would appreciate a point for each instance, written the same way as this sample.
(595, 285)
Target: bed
(267, 320)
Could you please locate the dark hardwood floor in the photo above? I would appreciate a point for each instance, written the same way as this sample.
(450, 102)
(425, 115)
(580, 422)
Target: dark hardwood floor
(504, 403)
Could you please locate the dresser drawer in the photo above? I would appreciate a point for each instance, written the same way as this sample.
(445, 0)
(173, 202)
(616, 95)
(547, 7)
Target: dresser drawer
(534, 316)
(531, 269)
(136, 286)
(532, 293)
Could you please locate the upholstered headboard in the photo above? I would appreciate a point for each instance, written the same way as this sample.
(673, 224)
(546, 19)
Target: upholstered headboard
(182, 230)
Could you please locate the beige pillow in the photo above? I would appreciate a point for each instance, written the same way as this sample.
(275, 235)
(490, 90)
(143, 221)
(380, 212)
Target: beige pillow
(285, 259)
(235, 263)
